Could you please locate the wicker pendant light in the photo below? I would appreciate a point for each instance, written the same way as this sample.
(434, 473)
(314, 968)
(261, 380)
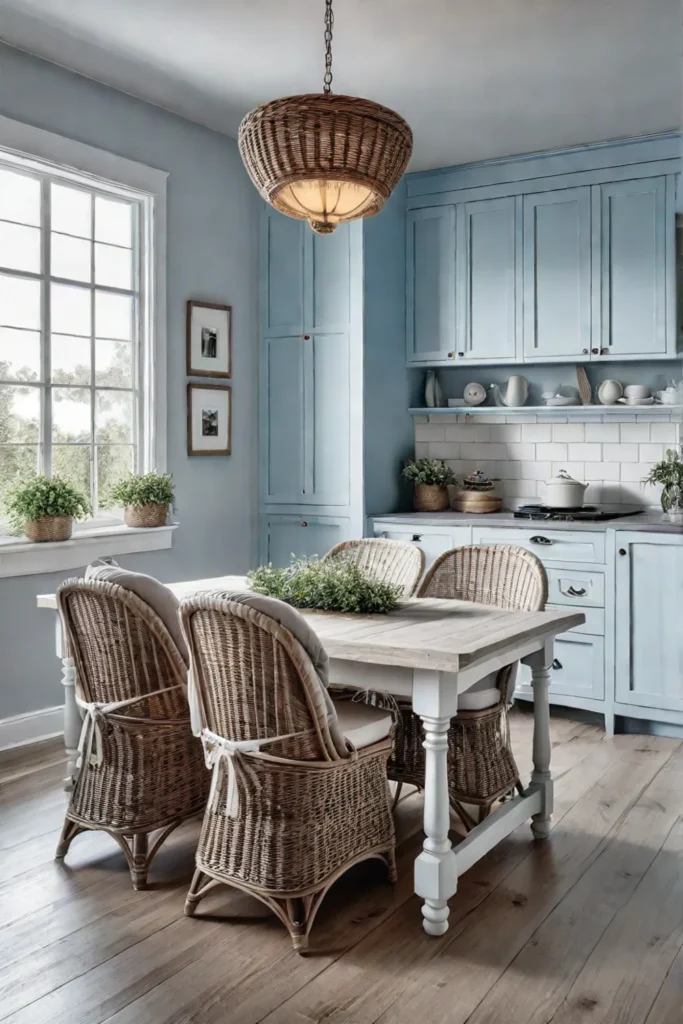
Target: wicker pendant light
(325, 158)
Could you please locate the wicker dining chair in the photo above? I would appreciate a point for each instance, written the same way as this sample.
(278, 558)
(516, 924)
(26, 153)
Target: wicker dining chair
(299, 791)
(481, 765)
(140, 769)
(390, 561)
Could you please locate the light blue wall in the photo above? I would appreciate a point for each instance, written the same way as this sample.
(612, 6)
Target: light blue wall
(212, 254)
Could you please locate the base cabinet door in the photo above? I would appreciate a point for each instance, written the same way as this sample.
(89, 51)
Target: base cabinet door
(284, 536)
(649, 606)
(578, 668)
(432, 542)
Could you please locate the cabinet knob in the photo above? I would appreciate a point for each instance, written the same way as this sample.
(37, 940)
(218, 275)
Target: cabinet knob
(622, 551)
(595, 351)
(557, 664)
(585, 351)
(417, 536)
(303, 522)
(451, 355)
(306, 337)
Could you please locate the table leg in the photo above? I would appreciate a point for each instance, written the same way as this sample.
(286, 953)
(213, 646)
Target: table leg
(436, 872)
(72, 718)
(541, 779)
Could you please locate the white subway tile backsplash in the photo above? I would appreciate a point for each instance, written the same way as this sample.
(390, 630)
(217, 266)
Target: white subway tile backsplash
(620, 452)
(601, 432)
(490, 417)
(650, 452)
(556, 451)
(603, 470)
(422, 449)
(537, 432)
(460, 432)
(429, 432)
(520, 451)
(575, 469)
(585, 452)
(535, 470)
(593, 494)
(482, 450)
(664, 433)
(635, 431)
(444, 450)
(568, 431)
(506, 432)
(482, 433)
(522, 418)
(420, 419)
(505, 469)
(522, 488)
(634, 471)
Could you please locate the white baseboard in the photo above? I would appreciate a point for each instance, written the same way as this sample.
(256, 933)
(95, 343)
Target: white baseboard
(32, 727)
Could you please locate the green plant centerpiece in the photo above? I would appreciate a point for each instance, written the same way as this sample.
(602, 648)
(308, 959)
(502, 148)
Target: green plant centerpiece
(669, 474)
(431, 478)
(329, 584)
(146, 498)
(45, 508)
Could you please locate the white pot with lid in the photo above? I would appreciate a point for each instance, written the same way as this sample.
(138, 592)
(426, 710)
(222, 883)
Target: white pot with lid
(563, 491)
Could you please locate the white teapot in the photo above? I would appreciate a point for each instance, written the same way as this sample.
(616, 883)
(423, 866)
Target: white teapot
(563, 491)
(516, 392)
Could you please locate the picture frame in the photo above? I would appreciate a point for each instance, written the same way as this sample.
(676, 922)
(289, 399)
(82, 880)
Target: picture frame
(209, 419)
(208, 339)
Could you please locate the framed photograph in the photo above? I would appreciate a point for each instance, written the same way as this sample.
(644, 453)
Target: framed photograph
(209, 419)
(209, 339)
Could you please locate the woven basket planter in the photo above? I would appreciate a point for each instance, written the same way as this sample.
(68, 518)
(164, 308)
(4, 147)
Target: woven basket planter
(430, 498)
(145, 516)
(49, 528)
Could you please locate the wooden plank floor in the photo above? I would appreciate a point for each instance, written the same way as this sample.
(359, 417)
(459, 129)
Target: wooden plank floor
(587, 927)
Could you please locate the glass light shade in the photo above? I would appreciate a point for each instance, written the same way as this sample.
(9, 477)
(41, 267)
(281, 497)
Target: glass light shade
(325, 203)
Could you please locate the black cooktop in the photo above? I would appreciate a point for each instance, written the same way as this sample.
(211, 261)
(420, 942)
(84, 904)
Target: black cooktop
(582, 514)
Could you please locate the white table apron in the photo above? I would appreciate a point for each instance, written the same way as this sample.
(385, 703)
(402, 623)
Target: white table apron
(434, 696)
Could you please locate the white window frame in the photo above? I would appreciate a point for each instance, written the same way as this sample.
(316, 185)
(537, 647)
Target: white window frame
(47, 153)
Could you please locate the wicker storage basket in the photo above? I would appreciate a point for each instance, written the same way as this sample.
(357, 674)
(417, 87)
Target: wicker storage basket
(49, 528)
(430, 498)
(145, 516)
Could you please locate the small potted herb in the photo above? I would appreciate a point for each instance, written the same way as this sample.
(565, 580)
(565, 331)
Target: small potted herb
(146, 498)
(45, 508)
(431, 478)
(669, 474)
(330, 584)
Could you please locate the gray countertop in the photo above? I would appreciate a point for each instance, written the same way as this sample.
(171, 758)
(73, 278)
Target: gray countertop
(648, 521)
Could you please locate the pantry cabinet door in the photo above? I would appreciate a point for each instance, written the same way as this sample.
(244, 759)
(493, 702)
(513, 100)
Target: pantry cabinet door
(282, 275)
(430, 284)
(282, 420)
(557, 274)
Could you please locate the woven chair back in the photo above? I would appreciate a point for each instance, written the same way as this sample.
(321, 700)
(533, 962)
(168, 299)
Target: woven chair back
(121, 647)
(389, 561)
(506, 576)
(253, 679)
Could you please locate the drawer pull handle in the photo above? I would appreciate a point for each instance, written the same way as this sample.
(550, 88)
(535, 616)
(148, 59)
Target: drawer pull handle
(557, 664)
(417, 536)
(581, 592)
(540, 540)
(303, 523)
(622, 551)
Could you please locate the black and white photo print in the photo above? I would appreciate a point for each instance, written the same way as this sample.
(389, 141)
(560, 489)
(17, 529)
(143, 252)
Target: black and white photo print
(209, 339)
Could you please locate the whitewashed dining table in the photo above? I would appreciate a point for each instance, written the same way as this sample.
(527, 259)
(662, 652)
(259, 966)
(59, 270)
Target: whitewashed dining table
(430, 650)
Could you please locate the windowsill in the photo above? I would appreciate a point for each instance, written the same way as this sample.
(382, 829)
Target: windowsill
(21, 557)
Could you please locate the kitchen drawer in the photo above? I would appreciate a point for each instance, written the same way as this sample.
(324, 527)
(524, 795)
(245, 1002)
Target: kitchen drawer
(595, 619)
(578, 668)
(548, 545)
(432, 541)
(576, 587)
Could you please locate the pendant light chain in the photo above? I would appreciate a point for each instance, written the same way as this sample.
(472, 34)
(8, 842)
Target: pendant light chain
(329, 22)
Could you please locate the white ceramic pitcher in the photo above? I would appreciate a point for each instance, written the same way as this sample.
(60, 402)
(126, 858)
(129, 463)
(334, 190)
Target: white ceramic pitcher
(516, 392)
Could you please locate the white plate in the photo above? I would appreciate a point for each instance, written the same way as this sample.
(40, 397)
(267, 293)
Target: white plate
(636, 401)
(561, 400)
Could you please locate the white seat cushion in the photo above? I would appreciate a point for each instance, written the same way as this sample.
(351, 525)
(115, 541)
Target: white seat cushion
(362, 725)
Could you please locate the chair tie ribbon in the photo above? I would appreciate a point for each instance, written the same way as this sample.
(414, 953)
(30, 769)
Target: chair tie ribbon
(90, 742)
(219, 755)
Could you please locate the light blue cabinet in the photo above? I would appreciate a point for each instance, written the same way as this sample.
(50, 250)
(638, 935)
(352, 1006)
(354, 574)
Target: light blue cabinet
(557, 274)
(283, 453)
(487, 300)
(636, 245)
(282, 275)
(300, 535)
(430, 285)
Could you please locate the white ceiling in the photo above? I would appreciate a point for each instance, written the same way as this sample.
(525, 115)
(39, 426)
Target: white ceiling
(474, 78)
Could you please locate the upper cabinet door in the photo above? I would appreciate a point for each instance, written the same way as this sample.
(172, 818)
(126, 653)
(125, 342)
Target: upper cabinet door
(327, 398)
(557, 274)
(282, 455)
(328, 281)
(637, 269)
(282, 275)
(487, 282)
(430, 284)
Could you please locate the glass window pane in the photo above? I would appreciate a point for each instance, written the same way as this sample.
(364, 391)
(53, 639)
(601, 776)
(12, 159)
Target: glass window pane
(70, 211)
(19, 414)
(18, 464)
(70, 359)
(70, 414)
(19, 198)
(113, 316)
(70, 257)
(19, 247)
(72, 463)
(70, 309)
(114, 364)
(19, 302)
(113, 266)
(113, 462)
(114, 417)
(113, 221)
(19, 354)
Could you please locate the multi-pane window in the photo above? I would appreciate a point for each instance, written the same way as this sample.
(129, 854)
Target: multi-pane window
(72, 330)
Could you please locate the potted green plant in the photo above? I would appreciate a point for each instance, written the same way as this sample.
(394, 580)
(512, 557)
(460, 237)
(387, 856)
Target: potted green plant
(669, 474)
(146, 498)
(45, 508)
(431, 478)
(330, 584)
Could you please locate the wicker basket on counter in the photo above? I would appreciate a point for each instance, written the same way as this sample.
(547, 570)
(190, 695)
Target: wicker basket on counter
(48, 528)
(145, 516)
(431, 498)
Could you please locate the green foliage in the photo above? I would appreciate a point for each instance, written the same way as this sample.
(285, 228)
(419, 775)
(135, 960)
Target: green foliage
(44, 496)
(429, 471)
(147, 489)
(668, 473)
(335, 585)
